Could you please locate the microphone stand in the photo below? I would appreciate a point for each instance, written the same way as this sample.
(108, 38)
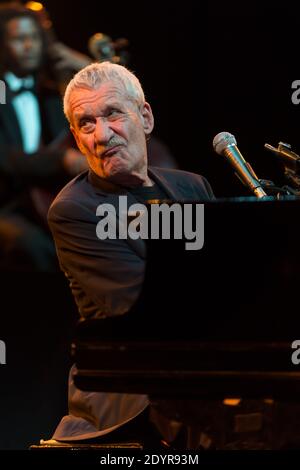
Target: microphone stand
(291, 162)
(269, 188)
(277, 192)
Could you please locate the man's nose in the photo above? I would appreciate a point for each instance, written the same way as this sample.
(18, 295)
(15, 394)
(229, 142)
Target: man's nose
(103, 131)
(27, 43)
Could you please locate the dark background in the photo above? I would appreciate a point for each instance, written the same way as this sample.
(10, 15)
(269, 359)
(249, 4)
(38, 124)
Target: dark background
(206, 67)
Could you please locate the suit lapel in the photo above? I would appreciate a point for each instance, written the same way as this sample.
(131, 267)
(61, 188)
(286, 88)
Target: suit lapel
(10, 122)
(110, 194)
(176, 190)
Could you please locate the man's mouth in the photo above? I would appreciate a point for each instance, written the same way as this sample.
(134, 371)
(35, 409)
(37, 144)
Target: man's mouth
(31, 57)
(111, 151)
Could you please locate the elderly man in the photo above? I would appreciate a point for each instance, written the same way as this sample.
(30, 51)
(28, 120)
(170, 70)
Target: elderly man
(111, 122)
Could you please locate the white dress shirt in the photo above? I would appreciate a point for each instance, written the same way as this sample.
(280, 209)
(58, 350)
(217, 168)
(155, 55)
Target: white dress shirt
(27, 110)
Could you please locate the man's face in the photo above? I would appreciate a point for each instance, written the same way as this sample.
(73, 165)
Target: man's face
(110, 130)
(24, 46)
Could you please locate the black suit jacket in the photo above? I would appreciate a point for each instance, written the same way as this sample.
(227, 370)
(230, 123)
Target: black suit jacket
(106, 278)
(19, 171)
(106, 275)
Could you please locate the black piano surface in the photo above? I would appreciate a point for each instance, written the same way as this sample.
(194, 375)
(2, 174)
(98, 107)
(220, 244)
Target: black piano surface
(221, 317)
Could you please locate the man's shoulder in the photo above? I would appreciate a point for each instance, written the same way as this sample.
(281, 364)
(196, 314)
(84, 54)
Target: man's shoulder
(176, 174)
(72, 195)
(192, 185)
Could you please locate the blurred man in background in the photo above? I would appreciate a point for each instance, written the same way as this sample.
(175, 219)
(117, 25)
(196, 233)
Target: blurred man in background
(37, 153)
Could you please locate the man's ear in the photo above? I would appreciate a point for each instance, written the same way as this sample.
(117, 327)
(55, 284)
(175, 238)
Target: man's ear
(77, 140)
(147, 117)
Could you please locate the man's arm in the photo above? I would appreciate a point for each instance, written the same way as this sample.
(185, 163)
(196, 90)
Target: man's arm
(105, 276)
(208, 189)
(30, 168)
(47, 168)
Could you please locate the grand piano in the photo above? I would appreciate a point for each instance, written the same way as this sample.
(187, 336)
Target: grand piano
(211, 324)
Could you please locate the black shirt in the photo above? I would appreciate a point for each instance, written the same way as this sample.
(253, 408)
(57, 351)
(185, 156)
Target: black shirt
(147, 193)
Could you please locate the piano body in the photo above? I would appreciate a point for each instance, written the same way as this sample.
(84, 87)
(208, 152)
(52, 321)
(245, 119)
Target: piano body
(211, 324)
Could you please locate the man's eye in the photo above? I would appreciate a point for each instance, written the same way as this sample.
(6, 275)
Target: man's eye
(113, 112)
(86, 124)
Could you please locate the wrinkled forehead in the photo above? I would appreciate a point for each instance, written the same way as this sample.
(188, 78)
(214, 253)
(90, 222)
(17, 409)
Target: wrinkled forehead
(89, 100)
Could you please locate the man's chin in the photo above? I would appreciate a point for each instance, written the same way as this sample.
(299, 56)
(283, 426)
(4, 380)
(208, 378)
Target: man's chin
(117, 167)
(117, 175)
(29, 66)
(120, 175)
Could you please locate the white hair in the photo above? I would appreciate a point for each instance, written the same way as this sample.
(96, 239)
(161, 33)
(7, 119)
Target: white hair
(93, 75)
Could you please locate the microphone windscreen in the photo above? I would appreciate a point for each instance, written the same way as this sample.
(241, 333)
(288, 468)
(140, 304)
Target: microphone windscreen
(222, 140)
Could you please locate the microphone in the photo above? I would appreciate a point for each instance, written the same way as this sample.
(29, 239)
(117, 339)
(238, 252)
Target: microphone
(224, 144)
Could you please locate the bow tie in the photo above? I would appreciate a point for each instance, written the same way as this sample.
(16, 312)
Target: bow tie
(21, 85)
(17, 85)
(22, 89)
